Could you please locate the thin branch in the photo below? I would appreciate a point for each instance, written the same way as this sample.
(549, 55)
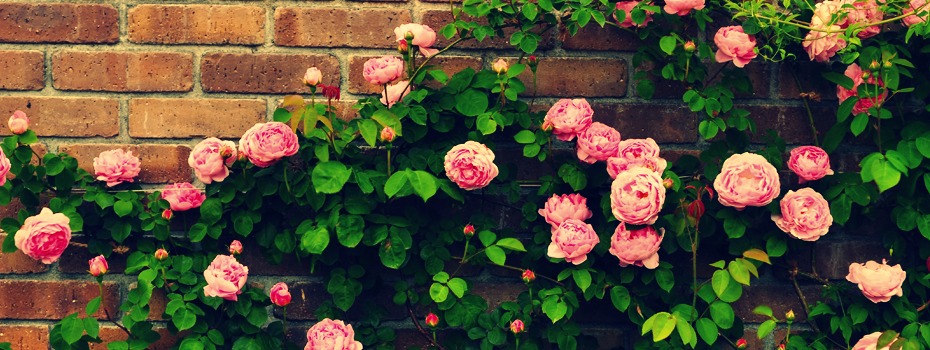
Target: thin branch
(420, 328)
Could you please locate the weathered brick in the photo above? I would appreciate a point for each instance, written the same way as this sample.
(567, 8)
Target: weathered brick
(306, 297)
(58, 23)
(497, 293)
(448, 64)
(759, 75)
(437, 19)
(780, 298)
(160, 163)
(75, 259)
(264, 73)
(53, 300)
(663, 123)
(23, 70)
(65, 116)
(835, 256)
(320, 27)
(26, 337)
(111, 334)
(792, 123)
(609, 38)
(559, 77)
(173, 117)
(197, 24)
(123, 71)
(793, 74)
(18, 263)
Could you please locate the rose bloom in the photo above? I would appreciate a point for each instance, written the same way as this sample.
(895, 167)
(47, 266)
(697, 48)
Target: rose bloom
(517, 326)
(5, 166)
(161, 254)
(98, 266)
(225, 278)
(821, 46)
(183, 196)
(637, 196)
(395, 93)
(210, 159)
(423, 37)
(810, 163)
(331, 335)
(636, 153)
(854, 72)
(870, 342)
(569, 117)
(866, 11)
(734, 45)
(44, 236)
(313, 76)
(567, 206)
(878, 282)
(280, 295)
(380, 71)
(470, 165)
(682, 7)
(573, 240)
(919, 16)
(387, 134)
(805, 214)
(627, 7)
(500, 66)
(266, 143)
(747, 180)
(637, 247)
(235, 247)
(18, 123)
(116, 166)
(597, 142)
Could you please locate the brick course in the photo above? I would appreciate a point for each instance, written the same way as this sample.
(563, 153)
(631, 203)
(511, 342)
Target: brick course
(22, 70)
(123, 71)
(197, 24)
(58, 23)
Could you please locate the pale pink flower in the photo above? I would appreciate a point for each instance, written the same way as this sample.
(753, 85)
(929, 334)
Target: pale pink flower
(821, 46)
(383, 70)
(313, 76)
(183, 196)
(597, 142)
(878, 282)
(45, 236)
(98, 266)
(854, 72)
(747, 180)
(870, 342)
(734, 45)
(636, 153)
(225, 278)
(636, 247)
(637, 196)
(332, 335)
(569, 117)
(573, 240)
(18, 123)
(918, 10)
(567, 206)
(470, 165)
(116, 166)
(395, 93)
(810, 163)
(280, 295)
(424, 37)
(627, 7)
(266, 143)
(682, 7)
(805, 214)
(235, 247)
(210, 159)
(5, 167)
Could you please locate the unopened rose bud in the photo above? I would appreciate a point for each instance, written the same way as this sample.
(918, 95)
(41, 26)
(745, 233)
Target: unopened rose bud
(408, 36)
(387, 134)
(696, 210)
(235, 248)
(313, 77)
(781, 346)
(161, 254)
(500, 66)
(402, 47)
(98, 266)
(741, 343)
(517, 326)
(668, 183)
(547, 126)
(226, 151)
(280, 295)
(888, 64)
(18, 122)
(789, 315)
(469, 230)
(432, 320)
(689, 46)
(532, 60)
(528, 276)
(874, 65)
(167, 214)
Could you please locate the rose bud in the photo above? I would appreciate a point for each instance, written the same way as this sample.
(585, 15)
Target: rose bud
(789, 315)
(387, 134)
(98, 266)
(668, 183)
(546, 126)
(402, 47)
(408, 36)
(161, 254)
(313, 77)
(235, 248)
(741, 343)
(528, 276)
(167, 214)
(781, 346)
(279, 294)
(517, 326)
(500, 66)
(18, 122)
(689, 46)
(432, 320)
(470, 231)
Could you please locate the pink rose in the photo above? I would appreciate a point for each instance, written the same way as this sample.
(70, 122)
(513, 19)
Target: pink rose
(279, 294)
(517, 326)
(331, 335)
(747, 180)
(637, 196)
(225, 278)
(878, 282)
(210, 158)
(810, 163)
(637, 247)
(5, 166)
(98, 266)
(116, 166)
(387, 134)
(380, 71)
(597, 142)
(734, 45)
(854, 72)
(918, 10)
(423, 37)
(682, 7)
(866, 11)
(18, 122)
(573, 240)
(395, 93)
(313, 76)
(870, 342)
(183, 196)
(627, 7)
(567, 206)
(500, 66)
(266, 143)
(235, 247)
(804, 215)
(44, 236)
(470, 165)
(569, 117)
(636, 153)
(822, 46)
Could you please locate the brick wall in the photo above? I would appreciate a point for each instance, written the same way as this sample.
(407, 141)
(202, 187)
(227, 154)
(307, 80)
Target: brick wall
(160, 76)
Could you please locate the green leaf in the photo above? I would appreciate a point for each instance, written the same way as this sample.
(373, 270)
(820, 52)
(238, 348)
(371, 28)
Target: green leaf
(667, 44)
(243, 224)
(766, 328)
(923, 145)
(496, 255)
(886, 338)
(72, 328)
(92, 306)
(211, 210)
(350, 230)
(369, 130)
(885, 175)
(620, 297)
(458, 287)
(438, 292)
(722, 314)
(525, 137)
(859, 123)
(665, 278)
(313, 240)
(395, 183)
(738, 272)
(663, 326)
(707, 329)
(839, 79)
(530, 11)
(720, 281)
(197, 232)
(392, 252)
(512, 244)
(686, 332)
(330, 177)
(183, 318)
(582, 279)
(122, 208)
(757, 255)
(554, 308)
(386, 118)
(92, 327)
(424, 183)
(763, 310)
(471, 102)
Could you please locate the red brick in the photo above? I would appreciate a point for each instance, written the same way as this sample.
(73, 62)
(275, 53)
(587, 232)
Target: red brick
(22, 70)
(197, 24)
(18, 263)
(437, 19)
(264, 73)
(75, 259)
(65, 116)
(448, 64)
(604, 77)
(58, 23)
(160, 163)
(173, 117)
(663, 123)
(319, 27)
(31, 337)
(123, 71)
(53, 300)
(610, 38)
(111, 334)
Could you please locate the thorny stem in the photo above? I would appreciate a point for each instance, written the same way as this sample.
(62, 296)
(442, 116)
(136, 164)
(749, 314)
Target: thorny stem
(425, 62)
(807, 106)
(803, 25)
(106, 312)
(423, 332)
